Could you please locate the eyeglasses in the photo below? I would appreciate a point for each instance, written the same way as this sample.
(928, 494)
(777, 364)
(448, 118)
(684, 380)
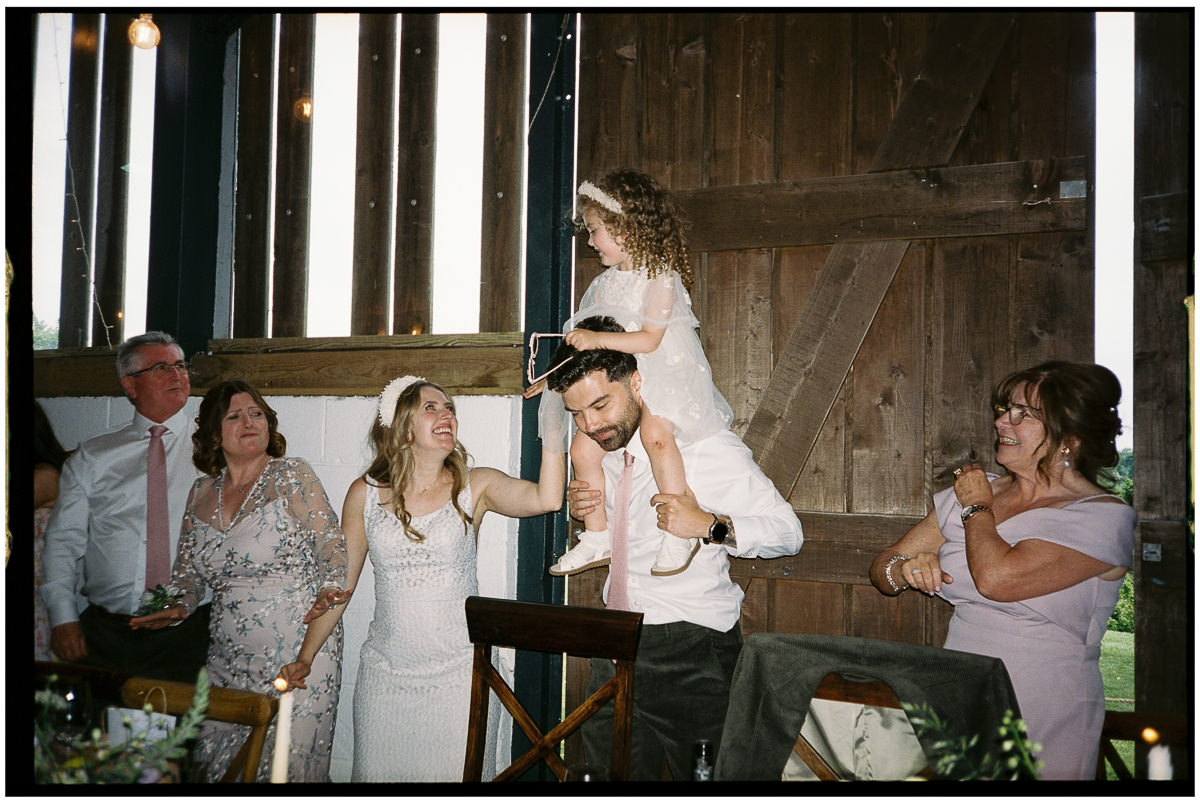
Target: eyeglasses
(161, 369)
(533, 350)
(1016, 413)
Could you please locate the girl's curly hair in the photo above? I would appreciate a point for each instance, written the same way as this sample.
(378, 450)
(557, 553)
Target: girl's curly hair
(649, 225)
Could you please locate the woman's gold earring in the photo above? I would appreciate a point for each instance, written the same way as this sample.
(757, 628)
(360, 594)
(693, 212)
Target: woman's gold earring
(1066, 451)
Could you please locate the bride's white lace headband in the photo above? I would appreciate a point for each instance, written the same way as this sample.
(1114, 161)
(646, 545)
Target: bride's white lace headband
(391, 394)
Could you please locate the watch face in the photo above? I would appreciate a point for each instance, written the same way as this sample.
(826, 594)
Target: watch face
(718, 531)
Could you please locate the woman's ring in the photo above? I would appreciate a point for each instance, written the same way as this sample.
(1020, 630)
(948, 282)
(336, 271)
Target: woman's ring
(916, 572)
(957, 472)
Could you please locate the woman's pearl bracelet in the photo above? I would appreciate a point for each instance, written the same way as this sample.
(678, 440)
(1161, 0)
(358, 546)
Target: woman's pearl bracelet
(887, 571)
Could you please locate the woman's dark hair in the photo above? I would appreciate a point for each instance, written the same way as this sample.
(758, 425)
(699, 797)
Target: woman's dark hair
(46, 448)
(206, 441)
(1076, 402)
(578, 364)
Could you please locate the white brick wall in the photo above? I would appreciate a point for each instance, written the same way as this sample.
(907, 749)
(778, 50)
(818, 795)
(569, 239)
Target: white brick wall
(331, 434)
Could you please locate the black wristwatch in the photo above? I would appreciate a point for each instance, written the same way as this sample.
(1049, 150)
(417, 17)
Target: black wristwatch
(719, 530)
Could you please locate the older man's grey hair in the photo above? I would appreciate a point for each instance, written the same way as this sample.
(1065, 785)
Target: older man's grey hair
(127, 351)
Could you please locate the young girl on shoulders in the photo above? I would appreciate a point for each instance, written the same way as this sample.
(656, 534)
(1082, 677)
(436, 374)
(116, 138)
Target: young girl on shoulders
(637, 232)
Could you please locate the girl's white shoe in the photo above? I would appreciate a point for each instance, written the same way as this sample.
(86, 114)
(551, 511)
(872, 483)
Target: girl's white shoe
(674, 555)
(594, 550)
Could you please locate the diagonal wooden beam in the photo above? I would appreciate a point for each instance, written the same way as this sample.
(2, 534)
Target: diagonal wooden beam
(959, 58)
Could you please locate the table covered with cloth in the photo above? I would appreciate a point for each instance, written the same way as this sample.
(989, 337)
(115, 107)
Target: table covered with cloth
(777, 674)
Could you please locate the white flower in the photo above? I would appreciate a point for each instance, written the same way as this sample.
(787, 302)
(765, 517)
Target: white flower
(589, 190)
(390, 395)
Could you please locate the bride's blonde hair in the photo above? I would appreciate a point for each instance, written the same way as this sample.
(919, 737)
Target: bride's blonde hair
(393, 463)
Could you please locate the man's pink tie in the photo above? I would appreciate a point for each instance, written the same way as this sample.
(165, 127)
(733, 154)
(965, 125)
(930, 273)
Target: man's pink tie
(158, 526)
(618, 570)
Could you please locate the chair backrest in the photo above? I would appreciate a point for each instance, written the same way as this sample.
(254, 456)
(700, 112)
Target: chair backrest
(862, 691)
(227, 705)
(573, 630)
(1172, 730)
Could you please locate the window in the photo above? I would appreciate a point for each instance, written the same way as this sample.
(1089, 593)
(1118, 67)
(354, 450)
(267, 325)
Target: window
(327, 255)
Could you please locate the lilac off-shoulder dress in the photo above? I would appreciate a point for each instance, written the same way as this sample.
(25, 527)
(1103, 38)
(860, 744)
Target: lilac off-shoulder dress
(1051, 643)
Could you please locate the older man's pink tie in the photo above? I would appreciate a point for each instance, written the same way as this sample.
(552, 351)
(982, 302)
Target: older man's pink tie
(158, 526)
(618, 569)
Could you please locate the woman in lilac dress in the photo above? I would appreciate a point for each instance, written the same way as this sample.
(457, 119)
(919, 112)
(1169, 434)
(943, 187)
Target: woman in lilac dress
(1033, 559)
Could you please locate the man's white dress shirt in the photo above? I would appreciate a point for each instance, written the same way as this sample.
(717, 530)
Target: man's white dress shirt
(722, 474)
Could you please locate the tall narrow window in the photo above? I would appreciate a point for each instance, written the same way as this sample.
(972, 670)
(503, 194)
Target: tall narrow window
(50, 88)
(458, 173)
(140, 166)
(331, 226)
(1114, 205)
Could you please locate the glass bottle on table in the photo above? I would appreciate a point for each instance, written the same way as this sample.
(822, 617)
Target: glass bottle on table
(702, 761)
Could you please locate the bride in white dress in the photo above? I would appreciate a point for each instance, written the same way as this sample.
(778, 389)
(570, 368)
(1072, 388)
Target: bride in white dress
(418, 507)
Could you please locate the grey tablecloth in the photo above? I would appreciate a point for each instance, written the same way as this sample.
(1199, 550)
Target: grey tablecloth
(777, 674)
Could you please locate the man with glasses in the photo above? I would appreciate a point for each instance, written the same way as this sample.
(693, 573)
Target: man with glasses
(690, 636)
(115, 526)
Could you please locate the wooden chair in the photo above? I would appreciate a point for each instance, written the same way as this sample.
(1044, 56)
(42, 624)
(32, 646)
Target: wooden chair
(573, 630)
(1172, 731)
(226, 705)
(865, 692)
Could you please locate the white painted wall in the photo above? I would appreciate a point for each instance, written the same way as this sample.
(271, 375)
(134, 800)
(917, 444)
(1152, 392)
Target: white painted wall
(331, 434)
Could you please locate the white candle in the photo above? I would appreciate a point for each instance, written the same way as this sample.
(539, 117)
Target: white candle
(283, 734)
(1159, 763)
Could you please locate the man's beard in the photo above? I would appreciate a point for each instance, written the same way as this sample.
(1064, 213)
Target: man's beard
(616, 435)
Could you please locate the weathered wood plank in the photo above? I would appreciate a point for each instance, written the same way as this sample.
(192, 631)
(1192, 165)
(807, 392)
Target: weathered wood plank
(503, 173)
(855, 277)
(1054, 78)
(969, 351)
(464, 364)
(875, 615)
(267, 345)
(1163, 354)
(958, 60)
(814, 73)
(484, 370)
(974, 200)
(737, 319)
(819, 350)
(1164, 223)
(800, 607)
(886, 474)
(412, 283)
(293, 155)
(888, 48)
(251, 248)
(1056, 322)
(374, 144)
(838, 548)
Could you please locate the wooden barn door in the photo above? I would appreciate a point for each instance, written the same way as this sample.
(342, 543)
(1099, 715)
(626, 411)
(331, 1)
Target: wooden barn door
(890, 211)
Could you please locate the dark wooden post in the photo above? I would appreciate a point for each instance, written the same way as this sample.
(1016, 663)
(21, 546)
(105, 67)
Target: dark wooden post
(374, 143)
(76, 290)
(503, 146)
(293, 155)
(251, 249)
(412, 287)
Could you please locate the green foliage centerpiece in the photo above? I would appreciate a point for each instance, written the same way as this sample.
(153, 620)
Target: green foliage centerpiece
(94, 761)
(1015, 759)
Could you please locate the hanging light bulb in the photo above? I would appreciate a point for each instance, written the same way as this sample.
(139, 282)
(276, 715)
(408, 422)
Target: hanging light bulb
(144, 33)
(302, 109)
